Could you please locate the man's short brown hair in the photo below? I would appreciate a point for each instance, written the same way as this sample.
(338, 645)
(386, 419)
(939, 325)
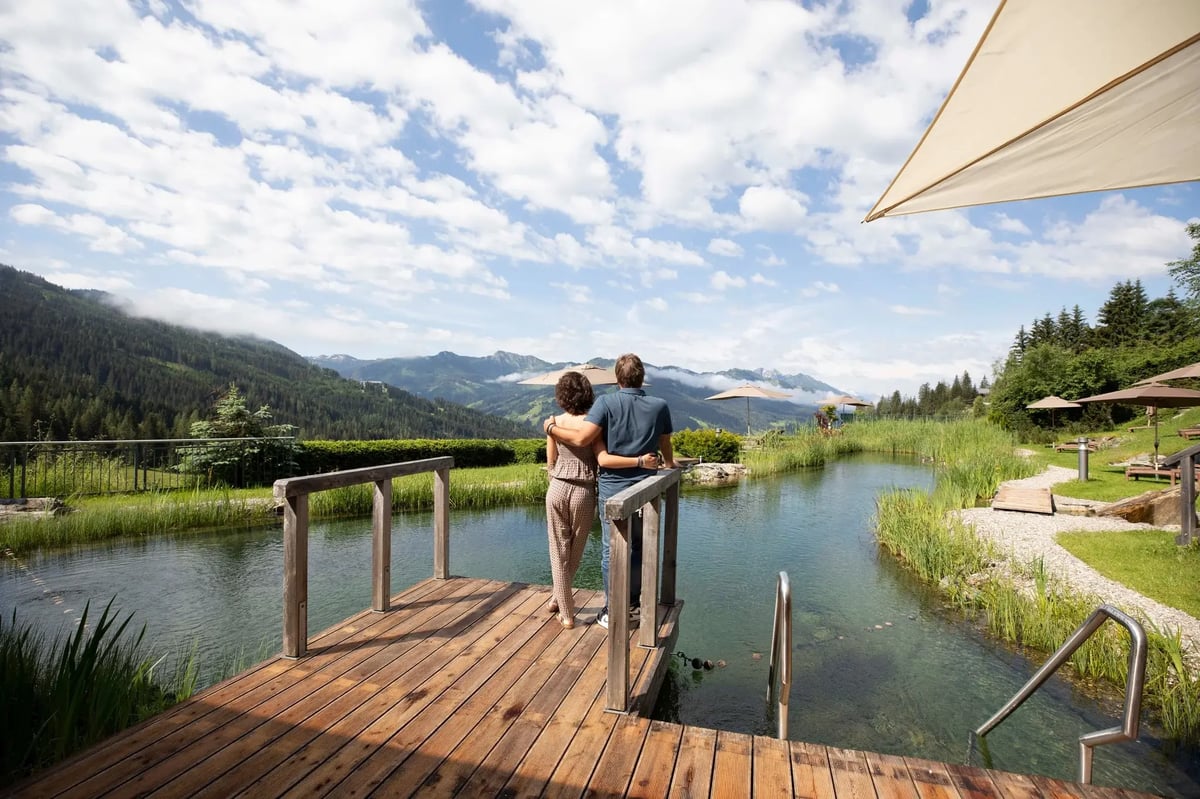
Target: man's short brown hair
(630, 372)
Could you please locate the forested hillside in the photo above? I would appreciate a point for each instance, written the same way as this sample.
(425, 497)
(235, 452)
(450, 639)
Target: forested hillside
(74, 366)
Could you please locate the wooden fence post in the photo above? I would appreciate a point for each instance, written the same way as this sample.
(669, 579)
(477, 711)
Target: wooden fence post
(617, 696)
(670, 546)
(381, 546)
(648, 626)
(295, 576)
(441, 524)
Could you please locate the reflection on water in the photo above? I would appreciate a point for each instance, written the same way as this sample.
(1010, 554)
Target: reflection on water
(879, 663)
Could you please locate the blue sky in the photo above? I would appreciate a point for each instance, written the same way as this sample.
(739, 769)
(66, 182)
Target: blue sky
(685, 180)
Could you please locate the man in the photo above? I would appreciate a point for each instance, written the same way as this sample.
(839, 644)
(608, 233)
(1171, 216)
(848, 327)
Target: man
(634, 425)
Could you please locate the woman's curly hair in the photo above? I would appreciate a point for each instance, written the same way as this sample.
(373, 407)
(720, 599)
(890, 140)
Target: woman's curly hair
(573, 393)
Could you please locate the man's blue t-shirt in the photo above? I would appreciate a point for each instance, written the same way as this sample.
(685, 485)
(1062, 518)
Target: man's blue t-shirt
(631, 423)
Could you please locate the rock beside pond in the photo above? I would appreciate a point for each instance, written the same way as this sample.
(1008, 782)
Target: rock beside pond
(716, 472)
(1152, 507)
(35, 506)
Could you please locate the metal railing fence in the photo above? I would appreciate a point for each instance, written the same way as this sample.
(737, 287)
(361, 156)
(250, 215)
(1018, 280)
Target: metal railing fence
(74, 468)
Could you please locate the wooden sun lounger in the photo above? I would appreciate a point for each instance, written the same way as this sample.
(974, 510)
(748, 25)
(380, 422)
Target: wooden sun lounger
(1150, 471)
(1073, 446)
(1189, 432)
(1135, 472)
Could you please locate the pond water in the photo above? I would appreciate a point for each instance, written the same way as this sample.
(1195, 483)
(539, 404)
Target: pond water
(879, 664)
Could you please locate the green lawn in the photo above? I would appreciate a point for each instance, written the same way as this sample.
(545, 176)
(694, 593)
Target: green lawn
(1107, 482)
(1148, 561)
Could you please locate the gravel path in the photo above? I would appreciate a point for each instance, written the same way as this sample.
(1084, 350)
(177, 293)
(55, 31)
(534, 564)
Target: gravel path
(1024, 537)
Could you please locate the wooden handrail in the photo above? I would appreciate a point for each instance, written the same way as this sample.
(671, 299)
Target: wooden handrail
(295, 491)
(1188, 459)
(618, 511)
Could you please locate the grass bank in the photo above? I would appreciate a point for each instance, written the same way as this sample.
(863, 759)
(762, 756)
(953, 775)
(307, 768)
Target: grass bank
(1022, 605)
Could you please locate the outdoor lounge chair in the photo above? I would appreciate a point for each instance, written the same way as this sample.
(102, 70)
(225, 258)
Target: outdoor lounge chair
(1189, 432)
(1073, 446)
(1146, 470)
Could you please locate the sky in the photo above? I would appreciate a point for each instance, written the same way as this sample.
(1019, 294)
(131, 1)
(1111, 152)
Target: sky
(684, 180)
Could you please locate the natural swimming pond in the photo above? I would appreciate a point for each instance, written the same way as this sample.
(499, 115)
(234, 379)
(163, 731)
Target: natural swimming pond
(879, 663)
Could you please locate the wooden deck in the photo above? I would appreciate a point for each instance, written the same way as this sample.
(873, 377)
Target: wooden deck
(469, 687)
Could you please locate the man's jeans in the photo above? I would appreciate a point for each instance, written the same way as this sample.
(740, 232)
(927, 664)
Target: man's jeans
(635, 566)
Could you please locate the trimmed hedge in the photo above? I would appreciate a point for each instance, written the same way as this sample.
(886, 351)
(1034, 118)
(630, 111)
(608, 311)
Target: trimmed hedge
(332, 456)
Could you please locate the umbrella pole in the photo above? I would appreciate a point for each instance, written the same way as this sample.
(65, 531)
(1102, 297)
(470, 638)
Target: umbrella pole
(1156, 438)
(747, 417)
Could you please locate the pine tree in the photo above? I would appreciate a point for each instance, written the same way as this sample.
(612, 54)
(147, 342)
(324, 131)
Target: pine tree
(1020, 344)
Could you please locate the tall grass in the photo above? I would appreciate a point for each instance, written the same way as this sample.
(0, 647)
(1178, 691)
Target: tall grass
(1019, 603)
(62, 697)
(971, 456)
(154, 513)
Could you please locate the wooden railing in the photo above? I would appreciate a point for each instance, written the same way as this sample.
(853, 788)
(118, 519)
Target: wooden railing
(294, 491)
(1186, 460)
(618, 511)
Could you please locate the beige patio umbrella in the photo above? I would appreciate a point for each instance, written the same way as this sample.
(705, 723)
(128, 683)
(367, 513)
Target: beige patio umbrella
(1181, 373)
(846, 399)
(596, 375)
(1052, 403)
(1153, 395)
(1062, 97)
(749, 390)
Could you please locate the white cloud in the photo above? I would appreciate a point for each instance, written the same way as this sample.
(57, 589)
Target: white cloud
(1010, 225)
(722, 280)
(772, 208)
(908, 310)
(725, 247)
(819, 287)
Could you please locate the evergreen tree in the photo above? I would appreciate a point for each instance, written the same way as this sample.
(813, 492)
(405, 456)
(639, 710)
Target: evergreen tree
(1123, 317)
(1020, 343)
(1042, 332)
(968, 388)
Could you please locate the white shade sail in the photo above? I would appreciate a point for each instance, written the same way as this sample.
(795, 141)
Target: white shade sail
(1062, 97)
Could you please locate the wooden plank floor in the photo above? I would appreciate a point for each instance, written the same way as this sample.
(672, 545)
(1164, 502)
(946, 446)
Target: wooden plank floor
(470, 688)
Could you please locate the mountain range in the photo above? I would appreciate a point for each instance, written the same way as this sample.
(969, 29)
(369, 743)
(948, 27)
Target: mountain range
(491, 384)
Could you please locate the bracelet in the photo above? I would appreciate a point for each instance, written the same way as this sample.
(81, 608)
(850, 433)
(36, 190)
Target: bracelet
(639, 461)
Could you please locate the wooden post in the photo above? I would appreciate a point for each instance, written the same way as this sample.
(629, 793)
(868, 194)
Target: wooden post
(1187, 500)
(648, 628)
(295, 576)
(381, 546)
(441, 524)
(617, 697)
(670, 546)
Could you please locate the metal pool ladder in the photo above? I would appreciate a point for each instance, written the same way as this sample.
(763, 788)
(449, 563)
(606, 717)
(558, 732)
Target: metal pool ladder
(1128, 731)
(781, 652)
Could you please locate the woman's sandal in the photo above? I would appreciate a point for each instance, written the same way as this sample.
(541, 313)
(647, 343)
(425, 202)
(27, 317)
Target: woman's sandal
(567, 622)
(552, 606)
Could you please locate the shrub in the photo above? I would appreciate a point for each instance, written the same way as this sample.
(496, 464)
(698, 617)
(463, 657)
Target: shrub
(707, 445)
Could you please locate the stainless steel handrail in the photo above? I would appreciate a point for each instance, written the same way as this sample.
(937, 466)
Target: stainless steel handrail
(781, 651)
(1128, 731)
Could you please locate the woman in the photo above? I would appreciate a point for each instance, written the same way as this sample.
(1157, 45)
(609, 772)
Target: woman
(571, 497)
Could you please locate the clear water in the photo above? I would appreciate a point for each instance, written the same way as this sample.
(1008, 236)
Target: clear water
(878, 664)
